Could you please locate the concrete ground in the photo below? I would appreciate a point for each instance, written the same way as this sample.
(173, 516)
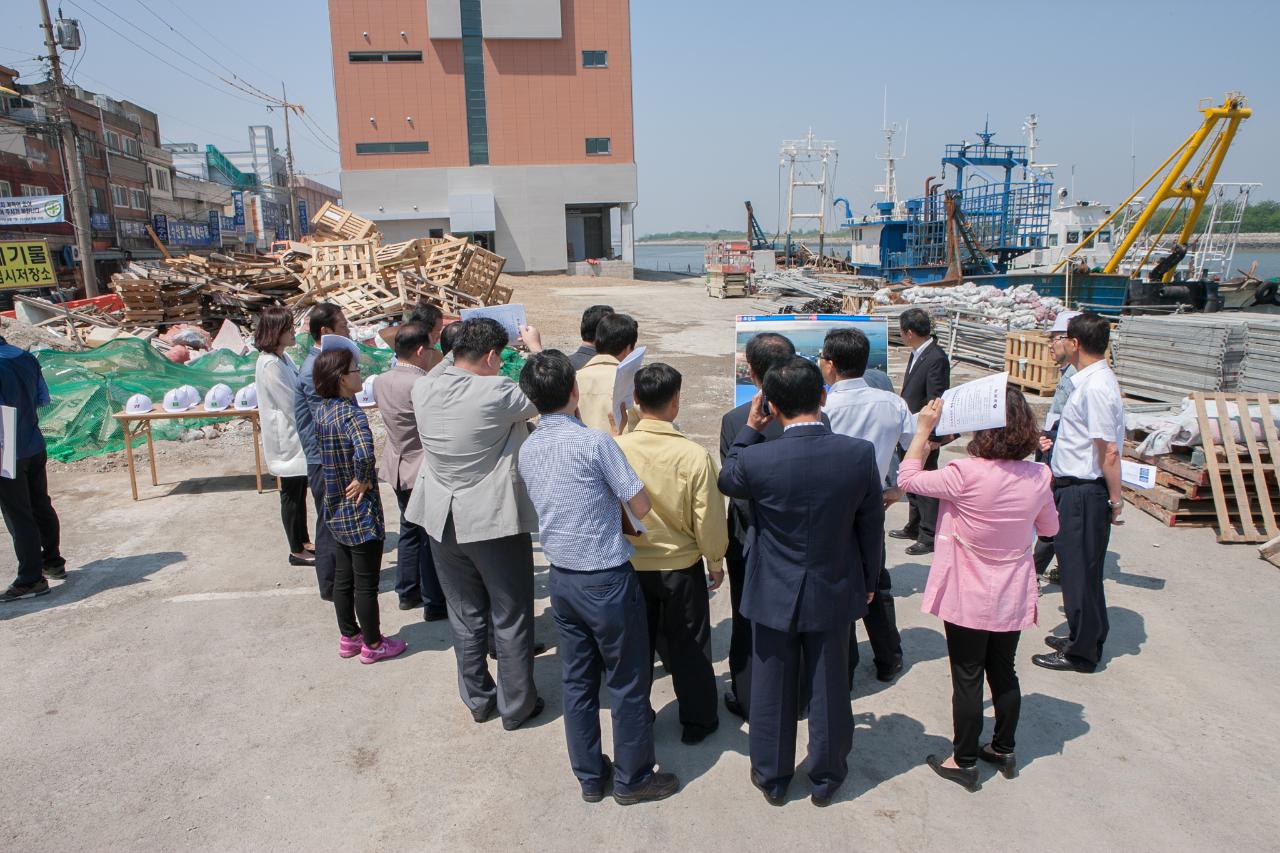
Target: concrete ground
(181, 691)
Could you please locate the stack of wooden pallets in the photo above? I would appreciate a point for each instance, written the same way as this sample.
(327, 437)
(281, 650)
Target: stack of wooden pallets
(1225, 484)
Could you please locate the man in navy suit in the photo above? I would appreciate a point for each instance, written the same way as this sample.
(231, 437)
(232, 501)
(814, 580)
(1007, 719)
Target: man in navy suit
(813, 553)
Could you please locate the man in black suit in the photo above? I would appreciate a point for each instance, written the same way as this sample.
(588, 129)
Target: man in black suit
(764, 351)
(813, 552)
(928, 375)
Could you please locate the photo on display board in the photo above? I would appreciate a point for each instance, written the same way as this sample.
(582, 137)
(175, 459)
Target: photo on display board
(806, 332)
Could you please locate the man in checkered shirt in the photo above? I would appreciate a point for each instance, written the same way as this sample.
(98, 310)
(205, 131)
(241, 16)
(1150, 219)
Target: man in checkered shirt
(578, 481)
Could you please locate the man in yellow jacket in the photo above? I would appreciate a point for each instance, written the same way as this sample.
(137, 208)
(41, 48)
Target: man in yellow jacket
(616, 336)
(686, 526)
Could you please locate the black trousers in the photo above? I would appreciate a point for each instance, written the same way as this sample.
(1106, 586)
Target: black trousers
(415, 566)
(740, 633)
(974, 653)
(922, 517)
(790, 668)
(325, 543)
(29, 515)
(355, 589)
(678, 609)
(882, 628)
(293, 511)
(1084, 532)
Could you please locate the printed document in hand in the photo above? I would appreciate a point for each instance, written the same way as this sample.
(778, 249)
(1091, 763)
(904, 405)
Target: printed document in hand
(973, 406)
(510, 316)
(1137, 475)
(8, 442)
(624, 382)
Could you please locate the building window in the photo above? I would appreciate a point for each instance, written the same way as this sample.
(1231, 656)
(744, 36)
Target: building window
(95, 198)
(1053, 240)
(419, 147)
(34, 189)
(473, 84)
(6, 190)
(131, 146)
(139, 199)
(119, 196)
(1104, 236)
(113, 140)
(598, 146)
(595, 59)
(385, 56)
(1073, 237)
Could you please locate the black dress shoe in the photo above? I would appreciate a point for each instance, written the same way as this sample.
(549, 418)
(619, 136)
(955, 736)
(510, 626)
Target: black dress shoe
(903, 534)
(1063, 662)
(966, 776)
(772, 799)
(822, 802)
(697, 734)
(595, 795)
(1006, 761)
(410, 603)
(293, 561)
(659, 787)
(484, 716)
(1058, 644)
(886, 673)
(733, 706)
(917, 550)
(435, 615)
(538, 707)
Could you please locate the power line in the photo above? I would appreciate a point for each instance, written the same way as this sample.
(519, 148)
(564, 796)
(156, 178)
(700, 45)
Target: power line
(213, 36)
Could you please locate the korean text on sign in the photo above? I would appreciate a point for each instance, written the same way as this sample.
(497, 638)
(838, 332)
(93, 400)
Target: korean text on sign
(26, 263)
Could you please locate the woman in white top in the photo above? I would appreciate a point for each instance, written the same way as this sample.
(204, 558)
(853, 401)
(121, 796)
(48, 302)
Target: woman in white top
(277, 380)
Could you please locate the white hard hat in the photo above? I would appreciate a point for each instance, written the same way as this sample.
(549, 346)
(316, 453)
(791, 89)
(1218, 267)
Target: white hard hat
(177, 400)
(1060, 322)
(247, 398)
(366, 396)
(192, 394)
(218, 398)
(138, 404)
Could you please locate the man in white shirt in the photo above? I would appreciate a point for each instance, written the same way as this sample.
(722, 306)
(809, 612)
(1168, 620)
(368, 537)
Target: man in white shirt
(881, 417)
(1086, 482)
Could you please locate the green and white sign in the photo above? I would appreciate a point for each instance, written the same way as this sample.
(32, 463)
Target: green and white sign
(32, 210)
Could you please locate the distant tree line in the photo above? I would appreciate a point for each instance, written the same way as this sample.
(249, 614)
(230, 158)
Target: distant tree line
(1260, 218)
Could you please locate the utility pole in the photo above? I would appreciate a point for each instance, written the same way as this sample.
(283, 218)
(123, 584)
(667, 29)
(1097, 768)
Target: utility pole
(294, 230)
(79, 196)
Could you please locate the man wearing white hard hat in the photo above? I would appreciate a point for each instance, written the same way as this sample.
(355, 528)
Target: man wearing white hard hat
(1057, 339)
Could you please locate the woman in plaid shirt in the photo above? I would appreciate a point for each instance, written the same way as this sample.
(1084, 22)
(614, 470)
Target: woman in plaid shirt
(352, 507)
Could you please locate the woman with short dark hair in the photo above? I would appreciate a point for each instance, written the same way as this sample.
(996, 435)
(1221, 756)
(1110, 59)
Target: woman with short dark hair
(983, 583)
(352, 507)
(276, 379)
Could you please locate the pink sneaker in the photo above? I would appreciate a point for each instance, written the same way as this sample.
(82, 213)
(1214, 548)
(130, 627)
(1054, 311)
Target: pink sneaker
(349, 647)
(390, 648)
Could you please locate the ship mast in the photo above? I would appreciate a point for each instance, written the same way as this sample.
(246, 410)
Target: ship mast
(890, 186)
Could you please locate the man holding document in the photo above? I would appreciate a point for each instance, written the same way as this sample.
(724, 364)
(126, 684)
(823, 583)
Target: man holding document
(616, 336)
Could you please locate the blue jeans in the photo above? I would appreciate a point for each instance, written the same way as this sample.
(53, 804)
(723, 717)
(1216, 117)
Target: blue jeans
(603, 629)
(415, 567)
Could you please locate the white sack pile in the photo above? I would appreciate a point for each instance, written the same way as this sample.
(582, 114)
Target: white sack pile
(1020, 307)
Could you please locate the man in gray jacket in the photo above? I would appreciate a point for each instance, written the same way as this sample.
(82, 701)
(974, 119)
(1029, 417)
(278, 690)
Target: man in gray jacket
(473, 505)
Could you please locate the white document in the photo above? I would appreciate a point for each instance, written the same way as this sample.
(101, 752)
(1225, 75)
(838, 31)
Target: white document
(635, 522)
(510, 316)
(8, 442)
(1137, 475)
(973, 406)
(624, 382)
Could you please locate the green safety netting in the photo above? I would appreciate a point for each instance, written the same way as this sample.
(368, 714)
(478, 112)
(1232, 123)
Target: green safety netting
(87, 388)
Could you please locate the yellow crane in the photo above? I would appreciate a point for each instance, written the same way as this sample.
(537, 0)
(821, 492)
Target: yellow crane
(1218, 129)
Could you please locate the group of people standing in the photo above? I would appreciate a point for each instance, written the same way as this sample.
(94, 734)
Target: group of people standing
(632, 516)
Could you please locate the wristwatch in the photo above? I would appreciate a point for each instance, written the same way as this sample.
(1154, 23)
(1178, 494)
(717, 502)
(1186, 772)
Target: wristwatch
(1115, 504)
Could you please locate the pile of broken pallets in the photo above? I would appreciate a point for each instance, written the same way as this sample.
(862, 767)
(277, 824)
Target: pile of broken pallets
(1224, 484)
(344, 261)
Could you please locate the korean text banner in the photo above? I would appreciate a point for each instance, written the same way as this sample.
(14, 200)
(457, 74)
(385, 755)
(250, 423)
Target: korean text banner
(32, 210)
(26, 263)
(806, 332)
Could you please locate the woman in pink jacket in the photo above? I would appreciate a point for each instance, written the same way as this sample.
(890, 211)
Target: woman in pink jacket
(983, 580)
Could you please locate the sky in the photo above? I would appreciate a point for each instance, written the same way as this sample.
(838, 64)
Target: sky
(719, 85)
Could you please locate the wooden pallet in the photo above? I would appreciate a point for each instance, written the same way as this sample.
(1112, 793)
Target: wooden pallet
(479, 273)
(1245, 512)
(334, 223)
(1029, 362)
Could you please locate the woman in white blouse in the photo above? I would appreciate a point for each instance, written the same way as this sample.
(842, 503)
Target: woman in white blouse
(277, 380)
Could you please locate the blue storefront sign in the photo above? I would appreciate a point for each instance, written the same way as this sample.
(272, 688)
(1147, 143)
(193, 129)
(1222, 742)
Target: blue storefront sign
(160, 223)
(100, 221)
(215, 228)
(304, 225)
(193, 234)
(237, 199)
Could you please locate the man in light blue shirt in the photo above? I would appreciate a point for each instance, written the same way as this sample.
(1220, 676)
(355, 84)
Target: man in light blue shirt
(579, 482)
(857, 409)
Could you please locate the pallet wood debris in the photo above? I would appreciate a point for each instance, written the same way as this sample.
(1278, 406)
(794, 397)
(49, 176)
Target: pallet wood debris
(344, 262)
